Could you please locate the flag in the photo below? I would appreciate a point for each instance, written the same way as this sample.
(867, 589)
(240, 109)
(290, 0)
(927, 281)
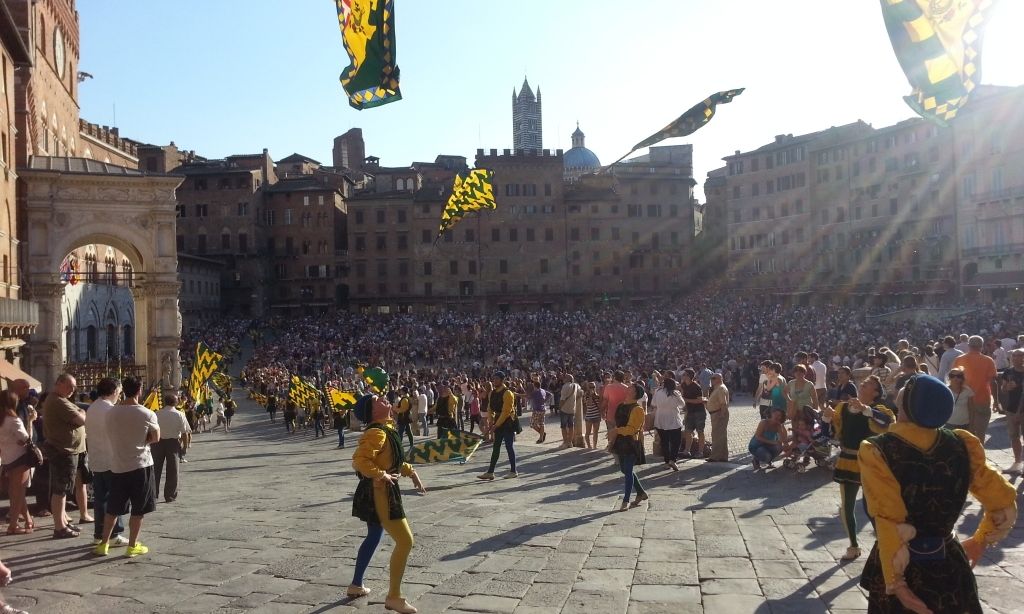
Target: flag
(303, 394)
(938, 45)
(368, 33)
(342, 400)
(205, 365)
(691, 121)
(459, 446)
(152, 400)
(221, 380)
(69, 270)
(473, 193)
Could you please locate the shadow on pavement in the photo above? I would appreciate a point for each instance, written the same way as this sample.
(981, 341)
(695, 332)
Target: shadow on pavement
(516, 537)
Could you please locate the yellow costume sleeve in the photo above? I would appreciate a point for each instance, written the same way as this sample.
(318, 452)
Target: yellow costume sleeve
(635, 423)
(365, 459)
(991, 489)
(877, 428)
(508, 402)
(837, 421)
(885, 504)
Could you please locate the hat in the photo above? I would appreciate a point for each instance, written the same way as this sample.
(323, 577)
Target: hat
(364, 408)
(499, 375)
(927, 401)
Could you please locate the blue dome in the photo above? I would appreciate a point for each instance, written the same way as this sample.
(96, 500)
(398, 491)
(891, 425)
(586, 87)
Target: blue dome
(580, 158)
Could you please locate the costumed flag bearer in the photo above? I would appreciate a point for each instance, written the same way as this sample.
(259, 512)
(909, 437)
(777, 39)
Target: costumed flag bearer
(916, 478)
(378, 499)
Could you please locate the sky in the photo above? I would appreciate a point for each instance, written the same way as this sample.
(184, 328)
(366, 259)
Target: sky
(225, 77)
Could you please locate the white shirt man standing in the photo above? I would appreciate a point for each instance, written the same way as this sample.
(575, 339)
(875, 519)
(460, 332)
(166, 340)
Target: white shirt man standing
(98, 447)
(820, 378)
(174, 436)
(131, 428)
(423, 404)
(568, 398)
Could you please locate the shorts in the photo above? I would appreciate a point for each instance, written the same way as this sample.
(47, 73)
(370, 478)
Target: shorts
(594, 420)
(63, 469)
(694, 421)
(537, 420)
(133, 492)
(1014, 425)
(474, 419)
(568, 420)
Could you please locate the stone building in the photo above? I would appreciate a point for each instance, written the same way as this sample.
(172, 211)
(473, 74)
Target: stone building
(199, 299)
(579, 160)
(527, 124)
(98, 308)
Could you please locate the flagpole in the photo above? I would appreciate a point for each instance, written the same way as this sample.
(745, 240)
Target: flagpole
(607, 168)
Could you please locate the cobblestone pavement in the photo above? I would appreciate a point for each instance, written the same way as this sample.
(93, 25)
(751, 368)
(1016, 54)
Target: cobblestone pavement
(263, 525)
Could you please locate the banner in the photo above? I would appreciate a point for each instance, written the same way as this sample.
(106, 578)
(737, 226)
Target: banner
(458, 446)
(368, 33)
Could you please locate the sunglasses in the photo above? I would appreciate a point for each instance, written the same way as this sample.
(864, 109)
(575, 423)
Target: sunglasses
(956, 376)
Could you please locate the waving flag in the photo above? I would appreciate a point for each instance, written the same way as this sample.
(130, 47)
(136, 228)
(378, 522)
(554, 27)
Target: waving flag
(368, 32)
(69, 270)
(342, 400)
(303, 394)
(152, 400)
(458, 446)
(938, 45)
(205, 366)
(473, 193)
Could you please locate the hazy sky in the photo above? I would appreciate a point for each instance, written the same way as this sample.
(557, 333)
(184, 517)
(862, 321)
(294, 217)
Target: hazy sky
(234, 76)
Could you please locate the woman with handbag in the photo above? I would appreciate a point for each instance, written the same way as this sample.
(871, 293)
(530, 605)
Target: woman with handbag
(19, 456)
(626, 445)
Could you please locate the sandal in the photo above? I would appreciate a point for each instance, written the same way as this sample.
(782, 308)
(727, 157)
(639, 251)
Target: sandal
(65, 533)
(16, 531)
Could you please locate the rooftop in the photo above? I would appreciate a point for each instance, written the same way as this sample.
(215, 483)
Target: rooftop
(80, 166)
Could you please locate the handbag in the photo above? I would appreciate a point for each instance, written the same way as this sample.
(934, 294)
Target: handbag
(517, 425)
(35, 456)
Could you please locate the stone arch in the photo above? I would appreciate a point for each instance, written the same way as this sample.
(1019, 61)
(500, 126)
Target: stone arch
(75, 202)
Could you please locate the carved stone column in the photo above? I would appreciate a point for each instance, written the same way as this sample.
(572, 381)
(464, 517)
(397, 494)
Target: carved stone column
(44, 350)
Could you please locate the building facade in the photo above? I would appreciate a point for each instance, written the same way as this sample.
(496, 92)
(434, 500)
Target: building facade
(200, 299)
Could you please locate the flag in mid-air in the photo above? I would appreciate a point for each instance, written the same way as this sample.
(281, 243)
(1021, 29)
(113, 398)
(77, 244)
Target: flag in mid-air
(473, 193)
(458, 446)
(69, 270)
(152, 400)
(303, 394)
(368, 32)
(206, 363)
(691, 121)
(938, 45)
(342, 400)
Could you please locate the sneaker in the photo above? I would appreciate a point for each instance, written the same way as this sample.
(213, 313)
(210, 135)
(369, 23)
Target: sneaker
(136, 550)
(1015, 469)
(511, 474)
(485, 476)
(184, 460)
(851, 554)
(101, 549)
(118, 541)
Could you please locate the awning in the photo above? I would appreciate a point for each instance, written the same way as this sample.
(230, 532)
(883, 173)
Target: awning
(10, 373)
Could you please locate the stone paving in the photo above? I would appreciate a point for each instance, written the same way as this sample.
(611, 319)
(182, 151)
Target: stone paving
(263, 526)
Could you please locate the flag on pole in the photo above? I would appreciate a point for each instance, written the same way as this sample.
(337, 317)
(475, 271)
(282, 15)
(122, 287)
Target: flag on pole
(938, 45)
(342, 400)
(69, 270)
(458, 446)
(205, 365)
(474, 193)
(303, 394)
(152, 400)
(368, 33)
(693, 120)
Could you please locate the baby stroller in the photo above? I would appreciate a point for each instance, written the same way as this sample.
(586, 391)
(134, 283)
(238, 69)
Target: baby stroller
(815, 444)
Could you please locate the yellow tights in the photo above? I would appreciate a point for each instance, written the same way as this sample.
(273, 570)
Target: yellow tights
(402, 535)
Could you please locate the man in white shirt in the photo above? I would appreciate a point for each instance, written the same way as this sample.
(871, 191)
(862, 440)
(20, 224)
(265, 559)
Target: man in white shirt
(949, 355)
(131, 428)
(820, 378)
(423, 403)
(568, 398)
(98, 445)
(962, 346)
(174, 435)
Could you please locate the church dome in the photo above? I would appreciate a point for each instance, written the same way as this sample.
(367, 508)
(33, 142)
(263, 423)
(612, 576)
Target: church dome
(579, 158)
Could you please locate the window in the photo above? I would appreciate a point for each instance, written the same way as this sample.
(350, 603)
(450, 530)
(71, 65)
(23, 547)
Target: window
(382, 242)
(201, 211)
(574, 234)
(243, 209)
(359, 217)
(755, 213)
(735, 191)
(381, 217)
(653, 210)
(531, 234)
(243, 243)
(636, 238)
(503, 267)
(616, 233)
(735, 217)
(425, 236)
(595, 234)
(968, 189)
(470, 235)
(287, 217)
(472, 267)
(403, 241)
(634, 210)
(770, 187)
(892, 206)
(225, 241)
(549, 234)
(305, 200)
(201, 244)
(755, 189)
(857, 212)
(181, 243)
(360, 243)
(547, 189)
(544, 266)
(453, 267)
(513, 234)
(800, 234)
(495, 235)
(428, 269)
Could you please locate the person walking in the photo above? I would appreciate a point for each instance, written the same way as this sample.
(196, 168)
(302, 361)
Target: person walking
(980, 374)
(696, 415)
(668, 421)
(444, 411)
(341, 422)
(960, 418)
(591, 415)
(99, 448)
(568, 398)
(504, 424)
(19, 456)
(916, 480)
(132, 428)
(718, 411)
(379, 461)
(403, 414)
(64, 429)
(174, 436)
(272, 407)
(854, 421)
(627, 447)
(290, 411)
(536, 398)
(1012, 386)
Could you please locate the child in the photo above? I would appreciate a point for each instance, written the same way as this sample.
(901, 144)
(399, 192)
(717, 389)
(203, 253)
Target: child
(803, 441)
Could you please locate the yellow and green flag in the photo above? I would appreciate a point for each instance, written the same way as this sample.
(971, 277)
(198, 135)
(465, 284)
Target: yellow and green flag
(152, 400)
(938, 45)
(693, 120)
(474, 193)
(206, 363)
(368, 33)
(342, 400)
(303, 394)
(458, 446)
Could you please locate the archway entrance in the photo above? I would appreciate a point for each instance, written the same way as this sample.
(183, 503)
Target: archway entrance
(119, 224)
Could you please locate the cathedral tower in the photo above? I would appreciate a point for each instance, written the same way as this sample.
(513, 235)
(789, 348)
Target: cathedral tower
(527, 132)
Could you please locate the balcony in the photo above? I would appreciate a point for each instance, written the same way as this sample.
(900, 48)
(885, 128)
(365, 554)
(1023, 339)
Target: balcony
(984, 197)
(21, 317)
(1005, 249)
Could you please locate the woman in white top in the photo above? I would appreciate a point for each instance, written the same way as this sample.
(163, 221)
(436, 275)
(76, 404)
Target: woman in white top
(16, 456)
(668, 403)
(962, 395)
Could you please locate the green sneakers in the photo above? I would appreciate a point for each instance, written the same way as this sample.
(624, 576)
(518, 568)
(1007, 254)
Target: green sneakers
(136, 550)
